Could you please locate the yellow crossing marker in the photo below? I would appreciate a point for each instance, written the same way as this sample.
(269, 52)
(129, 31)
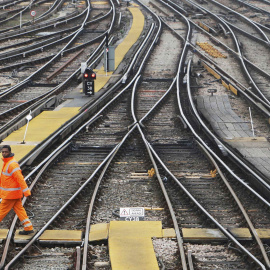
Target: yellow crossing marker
(130, 243)
(3, 234)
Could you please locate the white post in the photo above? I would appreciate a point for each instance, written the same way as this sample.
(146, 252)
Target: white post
(28, 118)
(21, 19)
(106, 59)
(251, 122)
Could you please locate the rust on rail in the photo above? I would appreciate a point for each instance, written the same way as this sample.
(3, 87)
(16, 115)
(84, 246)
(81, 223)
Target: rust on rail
(49, 78)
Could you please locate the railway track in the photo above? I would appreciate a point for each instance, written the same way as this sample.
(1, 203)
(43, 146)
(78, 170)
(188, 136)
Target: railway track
(107, 164)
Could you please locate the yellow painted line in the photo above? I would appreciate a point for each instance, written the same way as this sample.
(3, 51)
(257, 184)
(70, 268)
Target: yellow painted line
(168, 233)
(99, 232)
(3, 234)
(125, 162)
(122, 49)
(100, 2)
(79, 163)
(63, 235)
(216, 234)
(202, 234)
(130, 244)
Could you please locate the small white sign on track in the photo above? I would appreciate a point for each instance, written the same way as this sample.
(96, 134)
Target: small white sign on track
(132, 213)
(33, 13)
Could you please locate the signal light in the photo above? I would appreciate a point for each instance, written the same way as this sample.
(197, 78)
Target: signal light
(89, 74)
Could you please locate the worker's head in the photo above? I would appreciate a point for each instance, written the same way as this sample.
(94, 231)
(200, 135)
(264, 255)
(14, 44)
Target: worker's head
(6, 151)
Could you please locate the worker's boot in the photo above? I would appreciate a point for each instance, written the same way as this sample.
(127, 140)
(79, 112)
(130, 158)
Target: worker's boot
(26, 232)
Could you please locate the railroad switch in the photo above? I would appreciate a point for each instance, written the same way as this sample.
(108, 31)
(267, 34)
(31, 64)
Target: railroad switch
(213, 173)
(151, 172)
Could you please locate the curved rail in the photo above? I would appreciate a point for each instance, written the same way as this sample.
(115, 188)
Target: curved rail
(239, 52)
(96, 116)
(176, 227)
(217, 140)
(241, 207)
(194, 200)
(87, 230)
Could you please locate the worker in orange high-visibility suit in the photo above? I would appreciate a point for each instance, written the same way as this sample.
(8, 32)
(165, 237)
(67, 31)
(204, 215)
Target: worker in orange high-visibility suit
(12, 188)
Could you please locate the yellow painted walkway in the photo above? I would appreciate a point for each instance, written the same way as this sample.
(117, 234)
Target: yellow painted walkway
(122, 49)
(39, 128)
(48, 122)
(130, 244)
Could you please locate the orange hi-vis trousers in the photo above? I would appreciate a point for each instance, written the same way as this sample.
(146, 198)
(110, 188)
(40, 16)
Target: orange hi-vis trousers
(7, 204)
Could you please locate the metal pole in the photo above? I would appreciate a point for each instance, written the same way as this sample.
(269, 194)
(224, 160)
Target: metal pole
(20, 19)
(28, 118)
(25, 132)
(106, 60)
(251, 121)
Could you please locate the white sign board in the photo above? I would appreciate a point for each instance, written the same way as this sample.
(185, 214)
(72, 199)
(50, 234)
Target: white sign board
(132, 213)
(33, 13)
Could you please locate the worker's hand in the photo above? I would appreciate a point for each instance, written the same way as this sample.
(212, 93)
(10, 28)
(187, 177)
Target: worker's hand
(27, 193)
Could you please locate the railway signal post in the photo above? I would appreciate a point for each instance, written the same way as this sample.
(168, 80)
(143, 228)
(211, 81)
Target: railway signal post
(88, 82)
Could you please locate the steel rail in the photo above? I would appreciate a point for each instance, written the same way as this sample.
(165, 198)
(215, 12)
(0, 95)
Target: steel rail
(57, 88)
(95, 117)
(254, 233)
(159, 101)
(53, 8)
(217, 141)
(176, 227)
(84, 109)
(22, 50)
(36, 236)
(74, 48)
(245, 3)
(93, 198)
(259, 40)
(241, 207)
(10, 3)
(13, 224)
(18, 14)
(92, 119)
(134, 59)
(43, 164)
(81, 114)
(250, 96)
(72, 37)
(23, 32)
(74, 34)
(239, 52)
(223, 230)
(266, 185)
(39, 233)
(244, 18)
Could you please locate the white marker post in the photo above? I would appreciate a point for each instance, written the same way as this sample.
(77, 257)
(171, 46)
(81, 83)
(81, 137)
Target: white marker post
(28, 118)
(21, 19)
(33, 14)
(251, 123)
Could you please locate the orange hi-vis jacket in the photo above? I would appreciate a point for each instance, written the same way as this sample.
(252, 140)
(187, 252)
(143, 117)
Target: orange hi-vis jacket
(12, 183)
